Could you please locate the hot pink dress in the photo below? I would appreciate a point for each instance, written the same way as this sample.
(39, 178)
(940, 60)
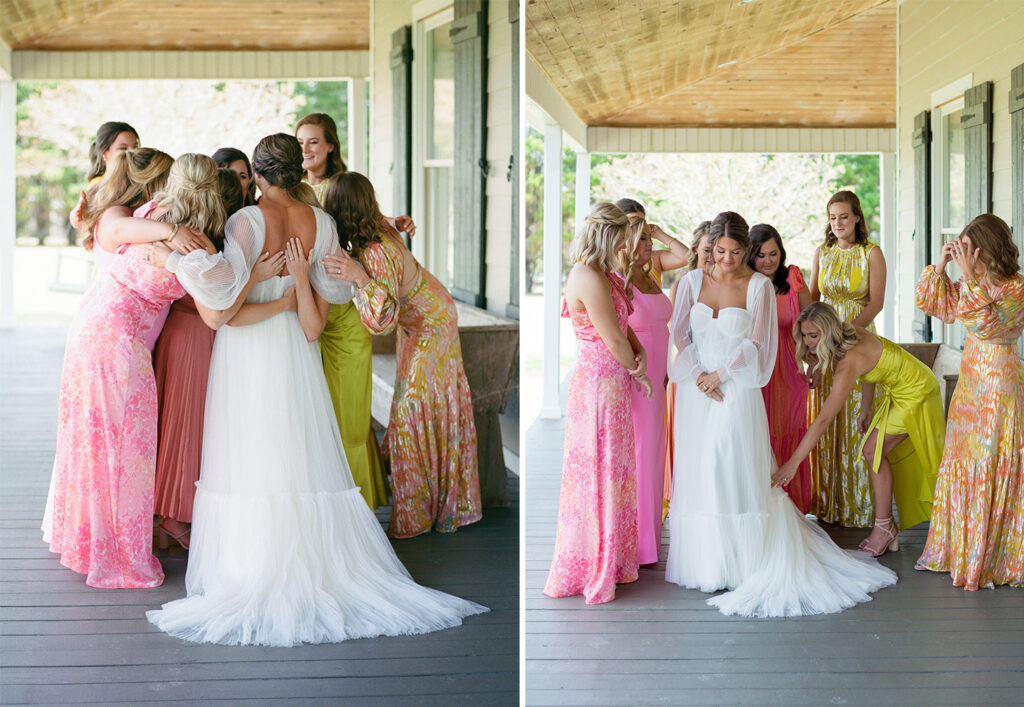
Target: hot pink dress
(649, 321)
(785, 396)
(596, 542)
(102, 483)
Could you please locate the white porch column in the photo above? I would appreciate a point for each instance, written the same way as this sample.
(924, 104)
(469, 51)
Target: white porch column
(551, 406)
(8, 220)
(357, 126)
(889, 323)
(582, 188)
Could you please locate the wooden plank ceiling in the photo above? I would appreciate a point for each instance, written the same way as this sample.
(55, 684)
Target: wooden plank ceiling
(719, 63)
(174, 25)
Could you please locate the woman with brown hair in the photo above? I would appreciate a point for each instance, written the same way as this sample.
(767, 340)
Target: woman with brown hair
(430, 442)
(283, 549)
(977, 528)
(317, 134)
(849, 274)
(238, 162)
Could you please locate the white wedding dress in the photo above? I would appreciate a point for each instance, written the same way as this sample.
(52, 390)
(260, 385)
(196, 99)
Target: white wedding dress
(729, 528)
(284, 549)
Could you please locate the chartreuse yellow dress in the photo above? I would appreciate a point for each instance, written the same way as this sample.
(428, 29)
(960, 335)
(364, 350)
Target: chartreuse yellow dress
(907, 401)
(842, 489)
(347, 353)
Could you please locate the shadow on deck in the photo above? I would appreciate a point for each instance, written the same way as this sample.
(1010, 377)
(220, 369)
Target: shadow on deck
(66, 643)
(922, 641)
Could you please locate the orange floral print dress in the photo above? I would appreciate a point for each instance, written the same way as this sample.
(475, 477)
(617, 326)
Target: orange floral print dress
(977, 527)
(431, 439)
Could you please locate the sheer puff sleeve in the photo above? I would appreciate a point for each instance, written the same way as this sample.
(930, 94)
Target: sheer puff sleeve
(378, 301)
(215, 281)
(683, 365)
(334, 291)
(754, 362)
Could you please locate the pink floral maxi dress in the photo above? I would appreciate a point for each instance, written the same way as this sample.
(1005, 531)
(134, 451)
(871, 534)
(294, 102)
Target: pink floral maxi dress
(596, 540)
(102, 483)
(649, 321)
(785, 396)
(977, 524)
(431, 437)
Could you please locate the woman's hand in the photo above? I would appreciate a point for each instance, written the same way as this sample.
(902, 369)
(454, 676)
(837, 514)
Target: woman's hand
(296, 260)
(342, 266)
(785, 473)
(708, 383)
(965, 255)
(156, 253)
(404, 224)
(945, 257)
(268, 266)
(79, 211)
(185, 240)
(643, 384)
(864, 419)
(290, 299)
(640, 359)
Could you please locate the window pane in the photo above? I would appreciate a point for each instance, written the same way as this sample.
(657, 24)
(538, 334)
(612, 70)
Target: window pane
(441, 94)
(439, 221)
(954, 177)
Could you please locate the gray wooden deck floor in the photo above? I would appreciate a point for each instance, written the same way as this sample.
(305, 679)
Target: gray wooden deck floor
(920, 642)
(62, 642)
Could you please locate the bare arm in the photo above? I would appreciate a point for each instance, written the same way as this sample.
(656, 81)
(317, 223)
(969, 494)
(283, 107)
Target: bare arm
(867, 403)
(256, 312)
(591, 289)
(675, 257)
(876, 288)
(311, 307)
(813, 291)
(266, 267)
(803, 298)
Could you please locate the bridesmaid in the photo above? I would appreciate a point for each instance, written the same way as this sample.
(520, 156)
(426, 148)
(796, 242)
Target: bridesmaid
(181, 364)
(100, 516)
(112, 138)
(785, 396)
(345, 345)
(649, 322)
(238, 162)
(431, 437)
(662, 261)
(849, 274)
(910, 408)
(977, 528)
(596, 541)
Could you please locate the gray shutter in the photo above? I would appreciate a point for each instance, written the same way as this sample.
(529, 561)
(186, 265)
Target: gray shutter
(1016, 104)
(922, 144)
(512, 310)
(401, 119)
(976, 121)
(469, 202)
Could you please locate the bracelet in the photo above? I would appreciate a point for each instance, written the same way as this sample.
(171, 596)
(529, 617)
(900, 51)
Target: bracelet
(174, 232)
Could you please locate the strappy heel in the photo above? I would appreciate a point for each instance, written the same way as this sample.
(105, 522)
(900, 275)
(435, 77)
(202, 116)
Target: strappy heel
(889, 527)
(164, 534)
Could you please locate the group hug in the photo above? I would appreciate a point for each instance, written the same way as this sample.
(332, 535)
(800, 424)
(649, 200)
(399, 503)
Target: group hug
(216, 385)
(749, 403)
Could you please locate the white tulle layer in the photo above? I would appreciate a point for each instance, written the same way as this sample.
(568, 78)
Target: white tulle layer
(315, 568)
(731, 530)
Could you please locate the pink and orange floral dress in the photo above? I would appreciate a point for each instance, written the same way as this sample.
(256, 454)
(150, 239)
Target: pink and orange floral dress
(785, 396)
(977, 525)
(596, 540)
(102, 483)
(431, 437)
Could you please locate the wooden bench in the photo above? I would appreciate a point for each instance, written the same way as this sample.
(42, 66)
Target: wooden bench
(490, 349)
(945, 364)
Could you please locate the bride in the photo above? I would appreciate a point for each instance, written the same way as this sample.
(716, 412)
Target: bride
(730, 529)
(284, 549)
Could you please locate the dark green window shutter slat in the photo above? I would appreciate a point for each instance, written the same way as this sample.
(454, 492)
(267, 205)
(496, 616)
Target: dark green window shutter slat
(401, 119)
(922, 143)
(512, 310)
(976, 120)
(469, 177)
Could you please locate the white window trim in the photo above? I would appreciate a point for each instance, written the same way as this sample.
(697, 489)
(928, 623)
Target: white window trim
(428, 14)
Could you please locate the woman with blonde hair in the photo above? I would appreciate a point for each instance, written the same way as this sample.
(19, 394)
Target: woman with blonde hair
(99, 513)
(648, 320)
(596, 542)
(848, 273)
(730, 529)
(910, 409)
(977, 528)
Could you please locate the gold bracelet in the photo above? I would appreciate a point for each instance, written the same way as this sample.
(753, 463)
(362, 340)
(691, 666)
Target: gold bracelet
(174, 232)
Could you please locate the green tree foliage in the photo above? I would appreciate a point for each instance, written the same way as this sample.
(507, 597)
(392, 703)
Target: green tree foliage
(861, 175)
(330, 97)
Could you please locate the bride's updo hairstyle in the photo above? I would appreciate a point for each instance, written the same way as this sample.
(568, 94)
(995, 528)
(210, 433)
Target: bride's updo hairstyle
(192, 197)
(837, 337)
(278, 159)
(133, 178)
(352, 203)
(728, 224)
(603, 235)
